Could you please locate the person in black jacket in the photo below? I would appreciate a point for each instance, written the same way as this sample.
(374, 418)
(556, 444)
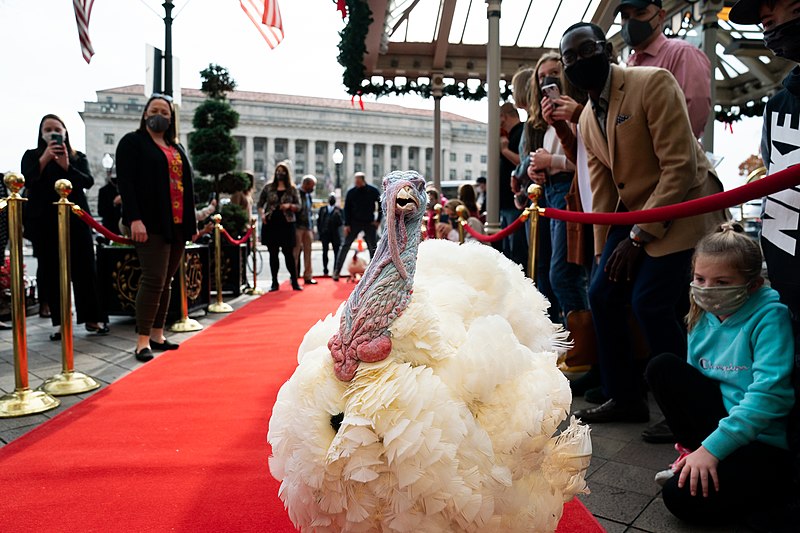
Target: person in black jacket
(329, 220)
(361, 203)
(109, 205)
(155, 181)
(54, 159)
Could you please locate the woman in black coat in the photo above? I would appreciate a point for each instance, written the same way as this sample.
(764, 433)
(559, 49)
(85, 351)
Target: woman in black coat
(155, 182)
(54, 159)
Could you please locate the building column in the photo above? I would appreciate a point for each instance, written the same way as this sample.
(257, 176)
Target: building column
(349, 163)
(270, 156)
(371, 177)
(248, 161)
(387, 158)
(290, 155)
(403, 157)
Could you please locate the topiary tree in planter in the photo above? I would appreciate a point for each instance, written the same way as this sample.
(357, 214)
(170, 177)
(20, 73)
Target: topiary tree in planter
(212, 147)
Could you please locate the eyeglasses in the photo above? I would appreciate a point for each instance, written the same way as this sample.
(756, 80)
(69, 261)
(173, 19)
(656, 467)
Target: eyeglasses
(166, 97)
(586, 50)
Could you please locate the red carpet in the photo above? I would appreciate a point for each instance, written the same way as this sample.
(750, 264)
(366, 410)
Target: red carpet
(179, 444)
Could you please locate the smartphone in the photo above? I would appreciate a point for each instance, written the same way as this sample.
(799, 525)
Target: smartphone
(551, 91)
(57, 137)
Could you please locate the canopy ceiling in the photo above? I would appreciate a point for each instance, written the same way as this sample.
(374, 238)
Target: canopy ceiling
(416, 38)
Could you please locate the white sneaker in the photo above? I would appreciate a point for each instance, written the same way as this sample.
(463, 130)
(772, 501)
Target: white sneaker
(664, 476)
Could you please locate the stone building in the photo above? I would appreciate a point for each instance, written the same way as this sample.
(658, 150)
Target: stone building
(306, 130)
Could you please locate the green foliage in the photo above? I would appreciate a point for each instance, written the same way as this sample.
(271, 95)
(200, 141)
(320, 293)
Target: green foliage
(215, 113)
(213, 151)
(235, 220)
(233, 182)
(217, 82)
(202, 189)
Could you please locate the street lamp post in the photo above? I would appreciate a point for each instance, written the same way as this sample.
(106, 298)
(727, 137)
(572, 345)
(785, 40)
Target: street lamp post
(108, 164)
(338, 157)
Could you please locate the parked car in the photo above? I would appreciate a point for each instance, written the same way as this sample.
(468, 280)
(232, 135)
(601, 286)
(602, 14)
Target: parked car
(749, 215)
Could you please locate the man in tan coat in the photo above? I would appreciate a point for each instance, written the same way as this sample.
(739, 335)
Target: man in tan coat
(641, 154)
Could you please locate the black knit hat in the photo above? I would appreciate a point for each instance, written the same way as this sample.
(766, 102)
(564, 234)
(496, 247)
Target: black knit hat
(745, 12)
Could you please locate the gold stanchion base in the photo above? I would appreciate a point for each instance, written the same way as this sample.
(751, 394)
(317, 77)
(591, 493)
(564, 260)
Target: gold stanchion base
(67, 383)
(253, 291)
(220, 307)
(186, 324)
(26, 402)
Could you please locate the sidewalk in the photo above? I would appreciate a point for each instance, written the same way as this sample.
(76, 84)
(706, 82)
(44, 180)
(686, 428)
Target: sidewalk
(624, 496)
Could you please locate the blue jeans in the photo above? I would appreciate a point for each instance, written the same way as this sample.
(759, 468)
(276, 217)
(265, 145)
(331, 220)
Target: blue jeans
(567, 279)
(652, 295)
(514, 246)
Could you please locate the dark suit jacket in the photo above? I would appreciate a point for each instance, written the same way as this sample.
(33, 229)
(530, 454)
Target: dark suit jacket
(327, 223)
(143, 181)
(650, 159)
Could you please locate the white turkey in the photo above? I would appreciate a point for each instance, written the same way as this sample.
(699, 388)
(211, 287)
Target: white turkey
(429, 402)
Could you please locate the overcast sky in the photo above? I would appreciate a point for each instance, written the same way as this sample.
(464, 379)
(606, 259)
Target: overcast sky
(43, 71)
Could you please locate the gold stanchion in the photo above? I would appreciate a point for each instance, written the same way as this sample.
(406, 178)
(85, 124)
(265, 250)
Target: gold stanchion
(463, 215)
(68, 381)
(185, 323)
(23, 401)
(532, 213)
(219, 306)
(254, 290)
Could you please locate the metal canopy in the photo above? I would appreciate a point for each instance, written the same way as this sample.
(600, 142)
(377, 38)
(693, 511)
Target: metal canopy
(419, 38)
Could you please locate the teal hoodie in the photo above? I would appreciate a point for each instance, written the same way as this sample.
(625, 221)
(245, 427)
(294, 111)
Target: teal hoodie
(750, 354)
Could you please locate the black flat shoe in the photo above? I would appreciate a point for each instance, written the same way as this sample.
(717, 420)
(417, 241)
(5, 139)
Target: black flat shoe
(297, 287)
(55, 336)
(163, 346)
(595, 396)
(614, 411)
(311, 282)
(144, 355)
(274, 286)
(658, 433)
(98, 330)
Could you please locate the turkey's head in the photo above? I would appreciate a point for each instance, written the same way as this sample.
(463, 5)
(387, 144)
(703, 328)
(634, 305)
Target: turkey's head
(383, 293)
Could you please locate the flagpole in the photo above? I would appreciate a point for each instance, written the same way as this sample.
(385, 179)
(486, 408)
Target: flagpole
(168, 5)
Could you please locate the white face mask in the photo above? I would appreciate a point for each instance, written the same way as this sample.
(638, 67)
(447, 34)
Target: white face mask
(720, 301)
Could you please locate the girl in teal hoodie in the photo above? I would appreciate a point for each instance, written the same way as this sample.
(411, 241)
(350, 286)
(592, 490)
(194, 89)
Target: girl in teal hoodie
(728, 404)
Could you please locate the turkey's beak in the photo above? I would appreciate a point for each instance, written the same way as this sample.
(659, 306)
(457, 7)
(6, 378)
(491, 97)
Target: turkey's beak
(406, 201)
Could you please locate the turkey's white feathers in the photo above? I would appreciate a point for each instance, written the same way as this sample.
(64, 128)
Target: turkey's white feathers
(454, 430)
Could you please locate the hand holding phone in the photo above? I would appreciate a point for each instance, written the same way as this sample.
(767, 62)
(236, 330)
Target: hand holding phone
(552, 92)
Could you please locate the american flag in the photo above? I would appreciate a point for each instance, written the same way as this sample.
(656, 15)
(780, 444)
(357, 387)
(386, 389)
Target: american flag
(267, 19)
(83, 10)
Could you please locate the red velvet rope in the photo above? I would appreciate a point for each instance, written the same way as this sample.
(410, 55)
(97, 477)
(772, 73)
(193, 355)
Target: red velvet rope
(86, 217)
(237, 242)
(500, 235)
(771, 184)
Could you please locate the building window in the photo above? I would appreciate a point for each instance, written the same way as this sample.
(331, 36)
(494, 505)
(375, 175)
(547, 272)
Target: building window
(259, 155)
(453, 158)
(280, 149)
(376, 169)
(321, 147)
(395, 152)
(452, 173)
(483, 174)
(467, 174)
(320, 167)
(377, 150)
(300, 147)
(467, 158)
(358, 168)
(109, 138)
(483, 159)
(358, 149)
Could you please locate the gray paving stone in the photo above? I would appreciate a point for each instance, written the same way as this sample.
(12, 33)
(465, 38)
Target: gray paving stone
(614, 503)
(612, 527)
(652, 456)
(628, 477)
(606, 448)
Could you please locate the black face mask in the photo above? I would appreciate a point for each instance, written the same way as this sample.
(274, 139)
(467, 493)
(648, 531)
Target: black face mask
(157, 123)
(784, 40)
(590, 73)
(635, 32)
(280, 176)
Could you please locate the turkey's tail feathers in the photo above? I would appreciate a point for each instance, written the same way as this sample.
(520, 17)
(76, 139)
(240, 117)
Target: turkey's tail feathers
(568, 459)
